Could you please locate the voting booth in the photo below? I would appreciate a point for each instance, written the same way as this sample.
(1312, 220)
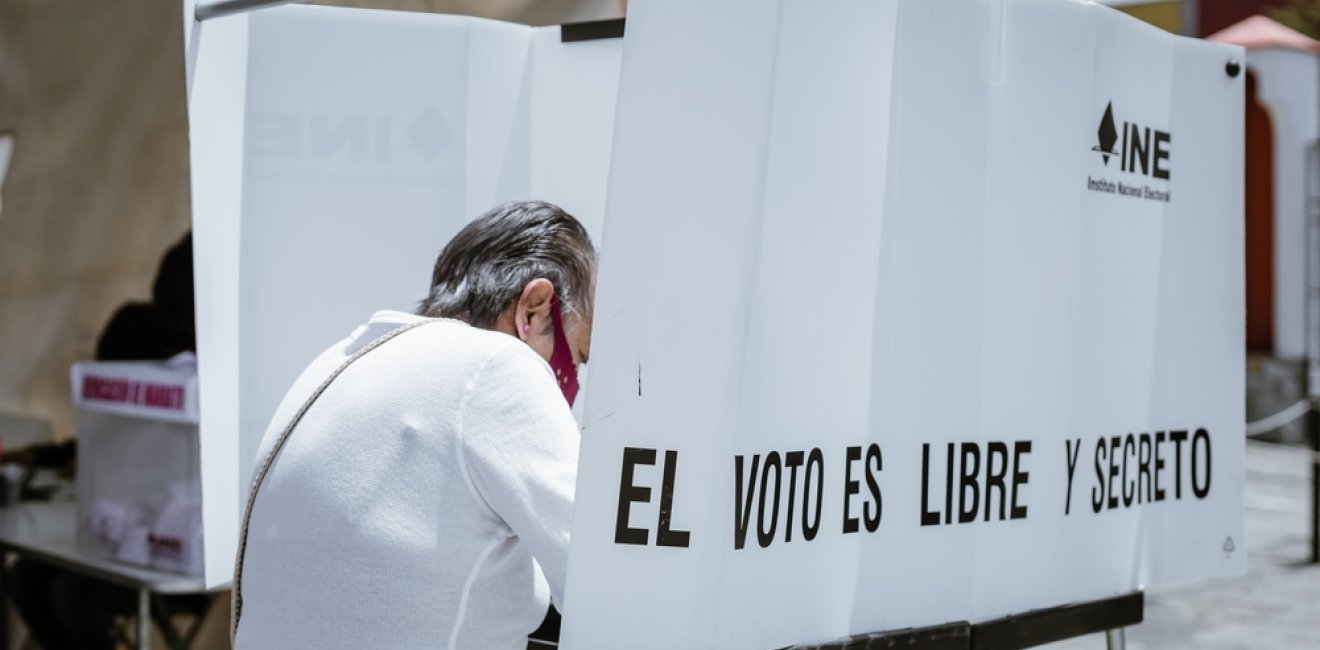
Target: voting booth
(909, 312)
(139, 485)
(334, 153)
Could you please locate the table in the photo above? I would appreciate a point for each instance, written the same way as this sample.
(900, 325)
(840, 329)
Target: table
(46, 531)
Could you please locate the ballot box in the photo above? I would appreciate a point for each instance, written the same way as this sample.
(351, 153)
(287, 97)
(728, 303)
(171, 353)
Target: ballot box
(139, 488)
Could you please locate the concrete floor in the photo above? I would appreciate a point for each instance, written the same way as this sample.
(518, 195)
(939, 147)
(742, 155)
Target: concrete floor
(1275, 605)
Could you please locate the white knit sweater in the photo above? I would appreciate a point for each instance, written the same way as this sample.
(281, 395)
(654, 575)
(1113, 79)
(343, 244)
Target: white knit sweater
(423, 502)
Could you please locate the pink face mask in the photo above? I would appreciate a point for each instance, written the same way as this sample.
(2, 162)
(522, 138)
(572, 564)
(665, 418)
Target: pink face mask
(561, 360)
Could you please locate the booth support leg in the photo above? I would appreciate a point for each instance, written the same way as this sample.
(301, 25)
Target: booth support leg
(1313, 432)
(1114, 639)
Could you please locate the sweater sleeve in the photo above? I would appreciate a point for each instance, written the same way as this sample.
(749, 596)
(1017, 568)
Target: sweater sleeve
(519, 443)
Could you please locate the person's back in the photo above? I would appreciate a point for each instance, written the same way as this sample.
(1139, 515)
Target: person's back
(401, 512)
(424, 498)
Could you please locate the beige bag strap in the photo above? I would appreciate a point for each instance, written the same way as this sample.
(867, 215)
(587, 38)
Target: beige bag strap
(236, 602)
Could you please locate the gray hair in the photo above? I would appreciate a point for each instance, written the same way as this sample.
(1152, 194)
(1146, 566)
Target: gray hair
(485, 267)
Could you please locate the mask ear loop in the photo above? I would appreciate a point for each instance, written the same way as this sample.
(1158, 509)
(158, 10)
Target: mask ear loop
(561, 359)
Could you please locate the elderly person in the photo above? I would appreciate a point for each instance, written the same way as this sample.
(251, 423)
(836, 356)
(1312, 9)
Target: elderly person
(415, 487)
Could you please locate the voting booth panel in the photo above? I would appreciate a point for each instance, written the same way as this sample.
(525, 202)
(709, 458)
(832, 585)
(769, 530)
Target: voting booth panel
(942, 321)
(335, 152)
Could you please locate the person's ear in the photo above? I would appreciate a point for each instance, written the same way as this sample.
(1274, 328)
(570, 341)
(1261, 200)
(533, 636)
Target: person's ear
(531, 316)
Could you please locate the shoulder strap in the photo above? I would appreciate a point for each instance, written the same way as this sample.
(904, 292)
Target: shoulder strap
(236, 602)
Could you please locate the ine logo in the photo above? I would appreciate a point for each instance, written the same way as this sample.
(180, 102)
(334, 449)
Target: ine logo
(349, 137)
(1139, 149)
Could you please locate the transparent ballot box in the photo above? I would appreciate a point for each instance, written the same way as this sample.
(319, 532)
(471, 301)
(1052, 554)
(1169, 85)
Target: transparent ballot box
(138, 486)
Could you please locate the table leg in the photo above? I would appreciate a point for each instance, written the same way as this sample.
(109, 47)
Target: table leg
(4, 600)
(144, 620)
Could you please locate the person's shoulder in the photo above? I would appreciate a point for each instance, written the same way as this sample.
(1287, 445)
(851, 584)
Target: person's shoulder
(513, 394)
(513, 359)
(507, 358)
(495, 353)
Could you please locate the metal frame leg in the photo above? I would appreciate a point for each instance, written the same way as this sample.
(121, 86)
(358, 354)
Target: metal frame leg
(1114, 639)
(144, 620)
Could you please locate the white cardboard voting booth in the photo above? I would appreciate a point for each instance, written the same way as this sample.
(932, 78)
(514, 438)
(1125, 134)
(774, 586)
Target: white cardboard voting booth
(912, 312)
(334, 153)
